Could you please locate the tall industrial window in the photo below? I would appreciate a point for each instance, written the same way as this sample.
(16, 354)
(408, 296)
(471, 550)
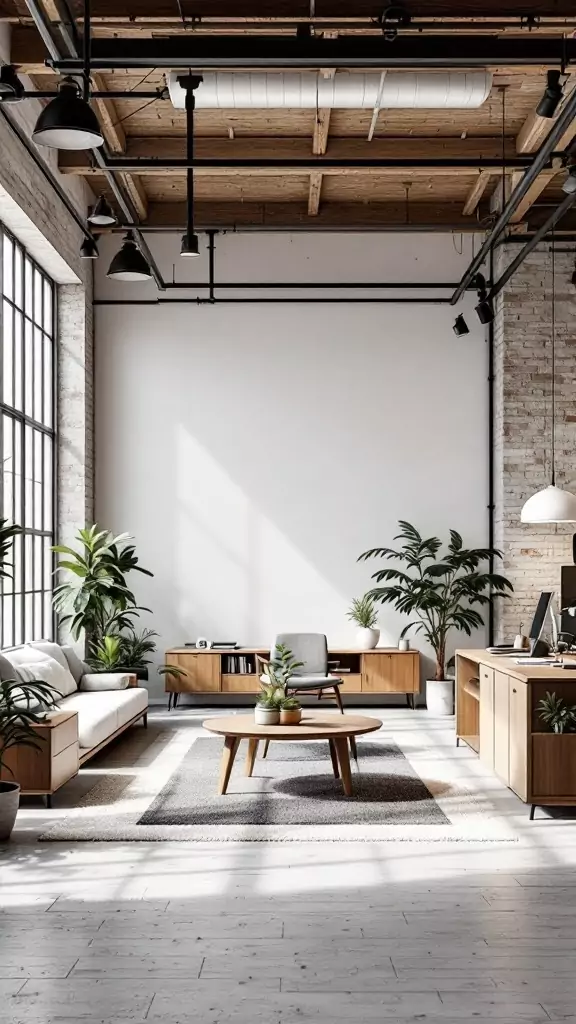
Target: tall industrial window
(27, 440)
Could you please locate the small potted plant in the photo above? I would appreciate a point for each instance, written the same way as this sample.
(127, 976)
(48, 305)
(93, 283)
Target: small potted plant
(290, 711)
(443, 590)
(267, 710)
(364, 613)
(558, 715)
(22, 706)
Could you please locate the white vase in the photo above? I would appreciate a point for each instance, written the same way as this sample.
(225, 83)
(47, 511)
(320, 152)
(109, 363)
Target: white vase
(9, 800)
(266, 716)
(440, 696)
(403, 644)
(367, 638)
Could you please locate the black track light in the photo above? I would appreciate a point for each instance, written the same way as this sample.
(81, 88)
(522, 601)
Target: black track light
(68, 121)
(460, 326)
(552, 95)
(89, 250)
(190, 245)
(485, 311)
(569, 184)
(102, 215)
(129, 264)
(11, 88)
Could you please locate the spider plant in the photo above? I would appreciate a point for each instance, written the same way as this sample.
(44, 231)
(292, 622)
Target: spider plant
(363, 612)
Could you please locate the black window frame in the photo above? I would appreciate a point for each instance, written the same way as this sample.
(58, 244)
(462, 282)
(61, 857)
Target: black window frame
(32, 444)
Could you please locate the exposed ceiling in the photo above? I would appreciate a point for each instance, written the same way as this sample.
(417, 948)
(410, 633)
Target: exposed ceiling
(435, 169)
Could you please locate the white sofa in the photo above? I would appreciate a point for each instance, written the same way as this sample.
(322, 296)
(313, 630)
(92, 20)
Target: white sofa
(105, 704)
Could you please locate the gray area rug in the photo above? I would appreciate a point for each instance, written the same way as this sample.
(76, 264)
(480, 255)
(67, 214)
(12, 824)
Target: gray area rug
(295, 785)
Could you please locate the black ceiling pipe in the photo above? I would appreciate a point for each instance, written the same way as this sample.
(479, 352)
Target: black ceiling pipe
(190, 245)
(540, 160)
(540, 235)
(318, 163)
(196, 54)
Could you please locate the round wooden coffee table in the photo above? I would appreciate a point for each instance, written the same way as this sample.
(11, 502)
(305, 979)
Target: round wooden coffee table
(337, 729)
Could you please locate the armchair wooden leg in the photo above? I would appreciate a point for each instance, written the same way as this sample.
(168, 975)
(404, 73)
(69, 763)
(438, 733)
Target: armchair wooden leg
(338, 698)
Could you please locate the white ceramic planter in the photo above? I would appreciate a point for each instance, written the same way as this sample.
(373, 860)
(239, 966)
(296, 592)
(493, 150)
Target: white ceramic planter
(366, 638)
(266, 716)
(404, 644)
(440, 696)
(9, 800)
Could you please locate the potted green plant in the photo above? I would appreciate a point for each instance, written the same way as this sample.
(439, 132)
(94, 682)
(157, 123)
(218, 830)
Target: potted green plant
(364, 613)
(290, 711)
(267, 710)
(558, 715)
(22, 706)
(444, 591)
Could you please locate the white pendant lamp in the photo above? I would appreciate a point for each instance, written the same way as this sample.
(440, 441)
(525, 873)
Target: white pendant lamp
(551, 504)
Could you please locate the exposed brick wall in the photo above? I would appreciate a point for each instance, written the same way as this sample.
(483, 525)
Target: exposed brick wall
(533, 555)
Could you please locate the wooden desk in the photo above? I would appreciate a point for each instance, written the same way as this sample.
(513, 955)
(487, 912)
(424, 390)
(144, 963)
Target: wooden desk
(496, 715)
(380, 671)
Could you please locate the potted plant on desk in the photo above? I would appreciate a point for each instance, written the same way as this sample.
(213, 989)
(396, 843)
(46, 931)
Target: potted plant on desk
(444, 591)
(22, 706)
(364, 613)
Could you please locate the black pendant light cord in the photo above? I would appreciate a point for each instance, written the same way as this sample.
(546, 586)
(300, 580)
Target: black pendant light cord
(190, 104)
(86, 51)
(553, 363)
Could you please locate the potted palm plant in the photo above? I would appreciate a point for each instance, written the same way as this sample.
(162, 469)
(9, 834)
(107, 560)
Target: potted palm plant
(364, 613)
(22, 706)
(444, 592)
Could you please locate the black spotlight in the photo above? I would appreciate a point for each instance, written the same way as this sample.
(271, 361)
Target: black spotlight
(552, 95)
(102, 215)
(11, 88)
(190, 245)
(485, 311)
(569, 185)
(89, 250)
(68, 121)
(129, 264)
(460, 326)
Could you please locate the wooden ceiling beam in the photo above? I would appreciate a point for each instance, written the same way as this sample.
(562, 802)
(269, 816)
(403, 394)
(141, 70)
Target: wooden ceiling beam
(476, 192)
(137, 194)
(533, 193)
(108, 117)
(314, 193)
(372, 216)
(72, 164)
(536, 128)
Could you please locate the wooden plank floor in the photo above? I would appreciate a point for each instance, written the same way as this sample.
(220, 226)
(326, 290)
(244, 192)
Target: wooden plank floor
(284, 933)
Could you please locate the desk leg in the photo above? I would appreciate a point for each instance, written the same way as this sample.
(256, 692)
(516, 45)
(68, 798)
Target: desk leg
(251, 755)
(231, 744)
(344, 759)
(334, 757)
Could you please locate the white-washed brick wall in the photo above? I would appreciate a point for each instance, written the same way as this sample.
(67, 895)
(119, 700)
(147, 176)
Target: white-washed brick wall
(25, 184)
(533, 555)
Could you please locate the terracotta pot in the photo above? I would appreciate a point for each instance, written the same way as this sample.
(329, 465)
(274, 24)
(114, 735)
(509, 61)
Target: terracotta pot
(293, 717)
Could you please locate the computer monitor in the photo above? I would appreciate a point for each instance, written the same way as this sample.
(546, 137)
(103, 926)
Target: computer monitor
(542, 610)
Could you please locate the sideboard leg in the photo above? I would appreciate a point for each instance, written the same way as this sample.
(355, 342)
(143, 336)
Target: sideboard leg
(457, 741)
(532, 809)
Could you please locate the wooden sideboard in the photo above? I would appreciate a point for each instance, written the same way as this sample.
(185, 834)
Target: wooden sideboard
(380, 671)
(496, 715)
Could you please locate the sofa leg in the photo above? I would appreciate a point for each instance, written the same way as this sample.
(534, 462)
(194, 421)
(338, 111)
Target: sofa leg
(48, 801)
(145, 720)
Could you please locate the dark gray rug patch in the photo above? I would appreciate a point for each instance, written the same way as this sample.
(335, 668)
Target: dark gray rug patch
(294, 785)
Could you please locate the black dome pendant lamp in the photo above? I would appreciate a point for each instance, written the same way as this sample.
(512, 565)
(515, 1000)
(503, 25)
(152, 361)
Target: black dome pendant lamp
(190, 244)
(68, 121)
(129, 263)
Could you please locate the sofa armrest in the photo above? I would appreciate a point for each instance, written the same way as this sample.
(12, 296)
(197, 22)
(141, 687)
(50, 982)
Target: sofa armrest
(107, 681)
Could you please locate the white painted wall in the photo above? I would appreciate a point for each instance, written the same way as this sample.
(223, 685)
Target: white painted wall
(255, 450)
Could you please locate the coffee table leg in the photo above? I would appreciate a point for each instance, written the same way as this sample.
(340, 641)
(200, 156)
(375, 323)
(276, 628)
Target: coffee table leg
(344, 759)
(231, 744)
(334, 757)
(251, 755)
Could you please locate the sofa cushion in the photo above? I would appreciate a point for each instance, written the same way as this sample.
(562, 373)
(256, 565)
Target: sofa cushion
(101, 713)
(75, 663)
(104, 681)
(7, 670)
(32, 663)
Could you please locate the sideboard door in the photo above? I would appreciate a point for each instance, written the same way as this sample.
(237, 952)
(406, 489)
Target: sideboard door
(487, 716)
(502, 726)
(202, 673)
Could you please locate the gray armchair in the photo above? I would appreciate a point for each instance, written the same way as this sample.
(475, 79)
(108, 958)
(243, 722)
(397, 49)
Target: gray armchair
(313, 676)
